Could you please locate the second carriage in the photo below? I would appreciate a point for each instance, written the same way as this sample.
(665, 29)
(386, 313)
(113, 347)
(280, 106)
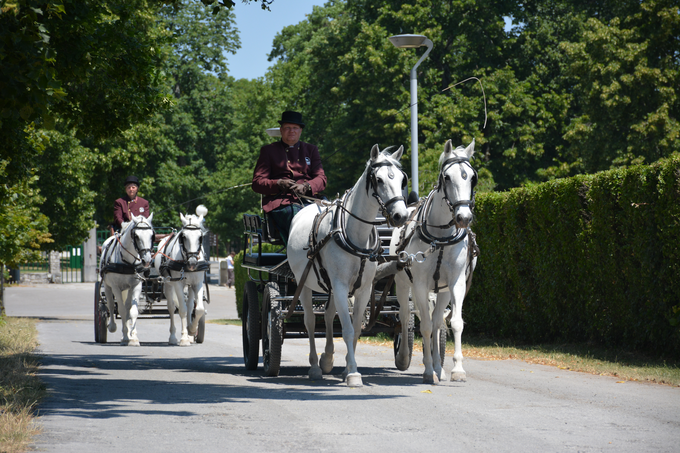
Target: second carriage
(152, 301)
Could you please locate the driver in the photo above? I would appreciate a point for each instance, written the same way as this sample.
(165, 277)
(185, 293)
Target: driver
(287, 170)
(128, 205)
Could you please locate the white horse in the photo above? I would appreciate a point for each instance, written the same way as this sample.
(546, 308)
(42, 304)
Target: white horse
(181, 260)
(343, 249)
(122, 257)
(440, 229)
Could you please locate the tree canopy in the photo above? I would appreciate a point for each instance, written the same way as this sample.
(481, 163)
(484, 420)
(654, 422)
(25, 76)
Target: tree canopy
(93, 91)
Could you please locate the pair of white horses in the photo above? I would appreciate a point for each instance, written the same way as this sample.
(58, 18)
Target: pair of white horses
(181, 260)
(350, 258)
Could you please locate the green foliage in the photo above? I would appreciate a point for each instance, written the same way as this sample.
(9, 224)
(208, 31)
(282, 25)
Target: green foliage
(586, 258)
(72, 73)
(28, 80)
(23, 229)
(628, 77)
(572, 87)
(65, 168)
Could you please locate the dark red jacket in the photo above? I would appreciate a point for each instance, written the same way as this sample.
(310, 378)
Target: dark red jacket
(122, 208)
(300, 162)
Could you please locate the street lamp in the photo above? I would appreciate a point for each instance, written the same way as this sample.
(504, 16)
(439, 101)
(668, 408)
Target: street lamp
(411, 41)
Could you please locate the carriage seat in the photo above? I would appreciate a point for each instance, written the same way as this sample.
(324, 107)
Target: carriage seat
(255, 228)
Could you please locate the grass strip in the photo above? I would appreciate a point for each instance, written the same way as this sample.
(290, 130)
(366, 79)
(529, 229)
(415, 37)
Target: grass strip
(20, 388)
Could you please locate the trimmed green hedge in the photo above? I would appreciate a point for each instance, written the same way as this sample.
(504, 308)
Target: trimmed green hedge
(589, 258)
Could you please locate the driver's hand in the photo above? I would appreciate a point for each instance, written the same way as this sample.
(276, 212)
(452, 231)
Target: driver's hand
(299, 189)
(285, 183)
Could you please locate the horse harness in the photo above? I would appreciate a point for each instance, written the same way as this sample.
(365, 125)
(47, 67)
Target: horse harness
(169, 264)
(338, 233)
(441, 242)
(126, 267)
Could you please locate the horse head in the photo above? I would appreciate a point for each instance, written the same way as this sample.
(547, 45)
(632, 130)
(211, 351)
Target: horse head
(388, 182)
(457, 178)
(191, 239)
(143, 236)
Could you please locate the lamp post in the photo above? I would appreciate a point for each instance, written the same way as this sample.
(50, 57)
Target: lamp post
(412, 41)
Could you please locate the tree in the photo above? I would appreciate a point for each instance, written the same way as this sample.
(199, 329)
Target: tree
(176, 153)
(23, 229)
(628, 75)
(85, 69)
(572, 87)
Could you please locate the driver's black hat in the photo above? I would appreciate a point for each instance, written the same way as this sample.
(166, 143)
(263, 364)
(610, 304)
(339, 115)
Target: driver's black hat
(292, 118)
(132, 180)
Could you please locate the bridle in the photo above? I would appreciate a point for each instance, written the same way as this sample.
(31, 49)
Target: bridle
(186, 254)
(460, 233)
(372, 183)
(441, 183)
(133, 235)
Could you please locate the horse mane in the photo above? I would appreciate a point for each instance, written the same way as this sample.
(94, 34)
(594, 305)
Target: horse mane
(192, 219)
(442, 158)
(387, 155)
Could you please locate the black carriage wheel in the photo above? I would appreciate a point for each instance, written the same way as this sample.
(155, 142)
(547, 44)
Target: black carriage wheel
(398, 343)
(272, 330)
(200, 332)
(251, 326)
(100, 315)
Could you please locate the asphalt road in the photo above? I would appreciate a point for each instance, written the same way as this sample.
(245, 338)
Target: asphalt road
(109, 398)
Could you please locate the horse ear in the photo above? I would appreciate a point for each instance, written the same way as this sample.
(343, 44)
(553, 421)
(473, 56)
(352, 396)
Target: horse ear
(448, 148)
(183, 219)
(150, 218)
(375, 152)
(470, 150)
(397, 154)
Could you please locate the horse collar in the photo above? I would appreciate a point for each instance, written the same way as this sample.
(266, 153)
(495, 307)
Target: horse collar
(424, 233)
(339, 234)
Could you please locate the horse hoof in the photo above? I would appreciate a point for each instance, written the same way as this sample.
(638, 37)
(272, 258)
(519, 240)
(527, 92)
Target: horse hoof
(326, 363)
(315, 374)
(430, 378)
(185, 342)
(173, 341)
(458, 376)
(134, 342)
(354, 380)
(402, 364)
(124, 342)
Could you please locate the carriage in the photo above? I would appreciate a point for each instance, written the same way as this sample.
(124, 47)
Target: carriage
(268, 312)
(331, 236)
(152, 301)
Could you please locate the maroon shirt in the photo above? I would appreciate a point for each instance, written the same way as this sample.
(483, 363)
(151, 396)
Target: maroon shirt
(300, 162)
(122, 208)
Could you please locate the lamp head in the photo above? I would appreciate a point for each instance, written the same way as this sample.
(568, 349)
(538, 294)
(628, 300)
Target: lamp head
(408, 41)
